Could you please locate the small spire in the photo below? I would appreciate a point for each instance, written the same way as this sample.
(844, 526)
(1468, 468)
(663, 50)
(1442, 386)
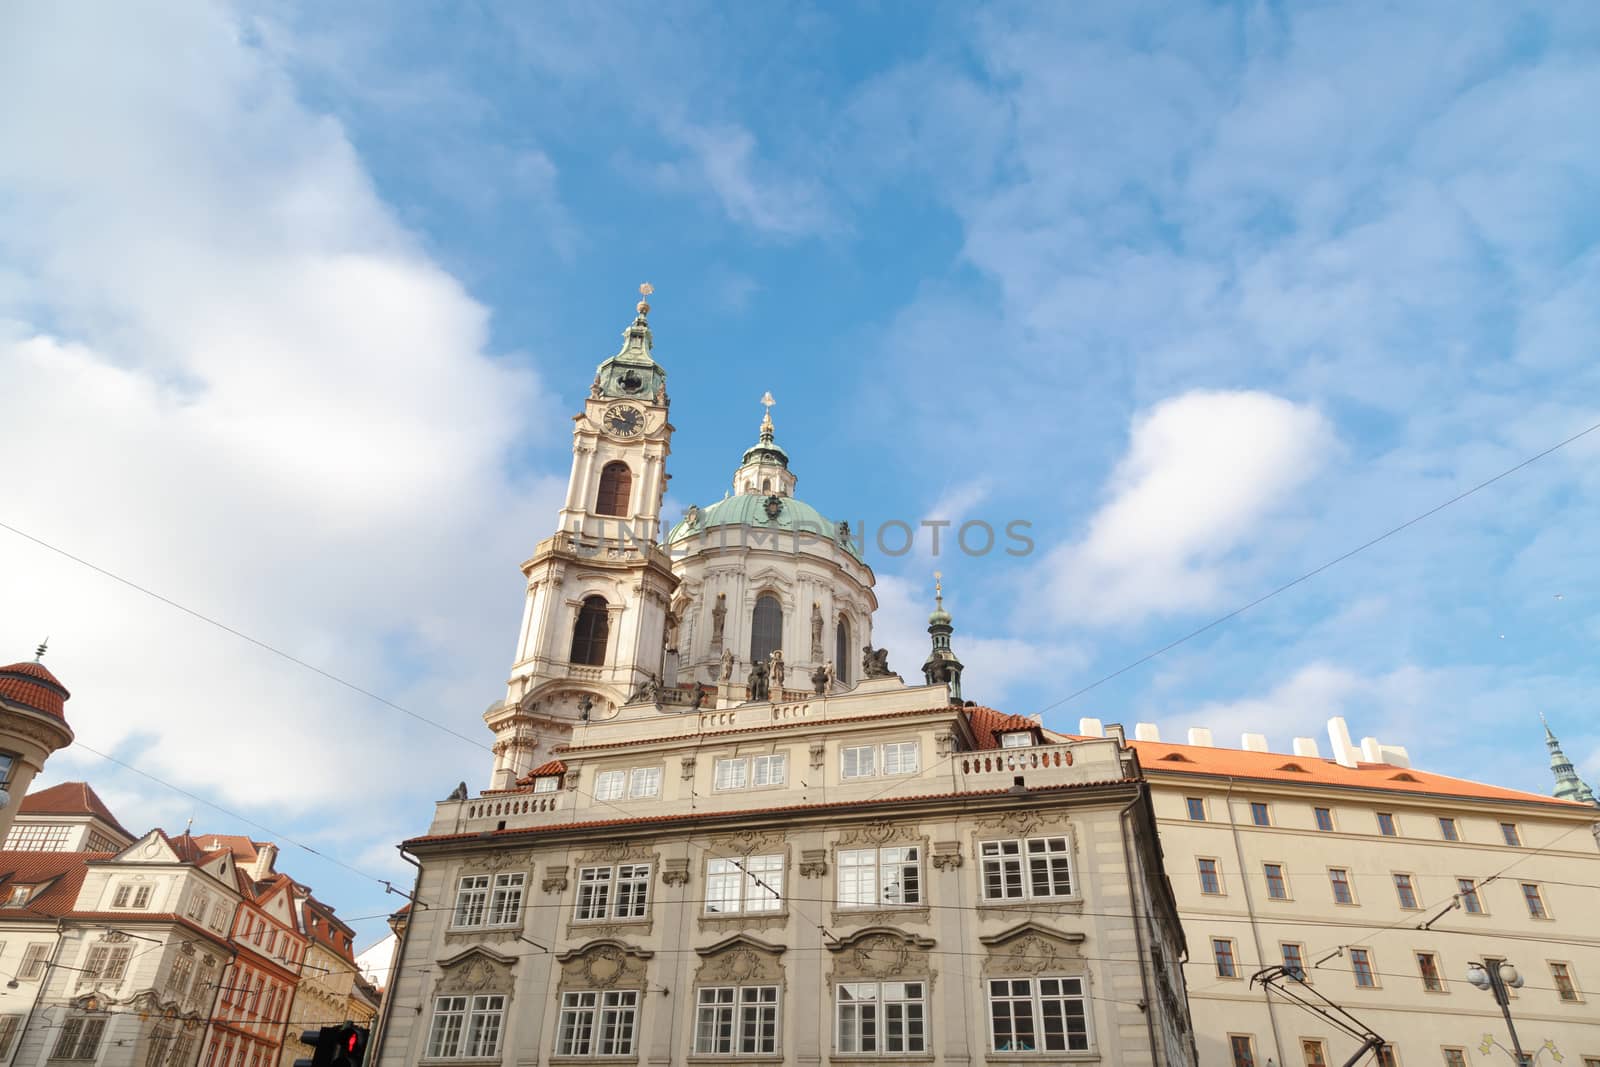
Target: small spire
(644, 304)
(938, 588)
(766, 416)
(38, 653)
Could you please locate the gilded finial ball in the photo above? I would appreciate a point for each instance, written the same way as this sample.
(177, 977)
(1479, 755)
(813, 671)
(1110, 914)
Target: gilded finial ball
(645, 290)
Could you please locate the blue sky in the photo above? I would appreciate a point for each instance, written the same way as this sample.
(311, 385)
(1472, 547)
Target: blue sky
(295, 304)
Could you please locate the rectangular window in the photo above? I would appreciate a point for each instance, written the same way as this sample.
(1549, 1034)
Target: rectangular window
(160, 1036)
(1405, 891)
(751, 884)
(1210, 880)
(1016, 739)
(40, 839)
(79, 1040)
(866, 761)
(901, 757)
(131, 896)
(1038, 1015)
(1428, 967)
(1361, 965)
(1324, 817)
(1243, 1049)
(1222, 954)
(1294, 959)
(1564, 984)
(1447, 829)
(1508, 830)
(1339, 878)
(33, 962)
(472, 900)
(1455, 1057)
(595, 1023)
(198, 905)
(9, 1024)
(466, 1027)
(1386, 825)
(736, 1020)
(1385, 1056)
(644, 782)
(1049, 868)
(1535, 902)
(546, 783)
(769, 770)
(879, 877)
(106, 964)
(179, 977)
(1277, 888)
(858, 761)
(1258, 814)
(608, 785)
(1467, 890)
(619, 892)
(1314, 1052)
(1197, 808)
(732, 774)
(888, 1018)
(505, 903)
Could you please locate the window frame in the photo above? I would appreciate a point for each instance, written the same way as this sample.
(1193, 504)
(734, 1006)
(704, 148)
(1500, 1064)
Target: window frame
(602, 1016)
(1388, 825)
(1511, 833)
(1300, 959)
(747, 883)
(1215, 875)
(595, 611)
(1321, 1046)
(1022, 856)
(1038, 1017)
(1193, 804)
(1343, 880)
(1467, 889)
(876, 869)
(1365, 964)
(1449, 829)
(74, 1041)
(1322, 819)
(881, 1002)
(610, 890)
(1225, 948)
(1260, 813)
(880, 759)
(475, 1015)
(740, 1009)
(1242, 1056)
(747, 766)
(1565, 982)
(613, 489)
(1402, 889)
(1533, 900)
(1432, 956)
(1281, 879)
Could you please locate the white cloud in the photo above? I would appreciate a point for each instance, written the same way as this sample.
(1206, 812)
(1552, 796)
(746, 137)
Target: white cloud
(230, 375)
(1201, 472)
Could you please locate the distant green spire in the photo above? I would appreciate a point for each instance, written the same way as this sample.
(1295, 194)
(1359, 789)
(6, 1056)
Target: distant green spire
(1568, 785)
(942, 665)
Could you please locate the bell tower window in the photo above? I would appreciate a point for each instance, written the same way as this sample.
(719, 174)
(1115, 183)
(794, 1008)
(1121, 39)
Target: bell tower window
(616, 486)
(590, 633)
(766, 627)
(841, 650)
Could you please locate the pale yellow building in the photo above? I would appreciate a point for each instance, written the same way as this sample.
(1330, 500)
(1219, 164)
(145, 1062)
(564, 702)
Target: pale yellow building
(1382, 882)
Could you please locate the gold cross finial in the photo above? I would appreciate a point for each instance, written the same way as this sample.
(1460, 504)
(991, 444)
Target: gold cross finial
(766, 398)
(938, 585)
(644, 291)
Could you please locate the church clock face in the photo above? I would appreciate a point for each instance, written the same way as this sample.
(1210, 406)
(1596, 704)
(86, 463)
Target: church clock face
(624, 420)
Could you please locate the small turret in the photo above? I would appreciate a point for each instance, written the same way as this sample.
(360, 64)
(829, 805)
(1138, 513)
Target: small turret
(764, 469)
(942, 666)
(1568, 785)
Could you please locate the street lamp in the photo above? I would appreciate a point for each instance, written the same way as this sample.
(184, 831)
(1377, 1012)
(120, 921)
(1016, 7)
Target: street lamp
(1498, 980)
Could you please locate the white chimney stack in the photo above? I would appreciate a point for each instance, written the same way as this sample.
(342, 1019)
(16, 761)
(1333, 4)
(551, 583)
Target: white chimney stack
(1146, 731)
(1254, 742)
(1344, 752)
(1306, 747)
(1200, 737)
(1371, 751)
(1396, 755)
(1091, 728)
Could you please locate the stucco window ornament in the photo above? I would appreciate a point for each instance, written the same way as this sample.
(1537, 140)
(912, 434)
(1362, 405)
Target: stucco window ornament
(687, 768)
(879, 832)
(740, 959)
(745, 842)
(555, 880)
(604, 964)
(1031, 948)
(494, 862)
(946, 855)
(476, 970)
(675, 872)
(819, 754)
(880, 952)
(1021, 823)
(813, 863)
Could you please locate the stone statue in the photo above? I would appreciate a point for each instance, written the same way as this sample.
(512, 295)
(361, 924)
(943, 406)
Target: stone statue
(833, 675)
(775, 671)
(819, 681)
(459, 792)
(585, 706)
(816, 632)
(875, 662)
(719, 616)
(594, 390)
(726, 674)
(758, 682)
(843, 529)
(649, 691)
(672, 631)
(661, 394)
(699, 697)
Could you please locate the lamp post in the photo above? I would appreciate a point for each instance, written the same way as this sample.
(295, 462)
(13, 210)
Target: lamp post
(1499, 979)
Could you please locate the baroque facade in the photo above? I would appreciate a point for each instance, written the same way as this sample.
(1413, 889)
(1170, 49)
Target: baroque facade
(720, 828)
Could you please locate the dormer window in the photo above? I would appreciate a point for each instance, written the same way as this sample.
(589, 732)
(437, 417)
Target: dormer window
(1016, 739)
(547, 784)
(19, 896)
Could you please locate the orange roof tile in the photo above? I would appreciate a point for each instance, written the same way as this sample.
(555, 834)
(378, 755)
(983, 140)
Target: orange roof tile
(988, 724)
(33, 686)
(544, 770)
(60, 873)
(70, 798)
(1159, 756)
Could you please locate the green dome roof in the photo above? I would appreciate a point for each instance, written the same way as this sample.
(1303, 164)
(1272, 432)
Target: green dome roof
(750, 509)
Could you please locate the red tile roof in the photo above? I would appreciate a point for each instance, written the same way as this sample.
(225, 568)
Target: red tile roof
(60, 873)
(988, 724)
(327, 930)
(642, 820)
(1161, 757)
(70, 798)
(243, 848)
(544, 770)
(33, 686)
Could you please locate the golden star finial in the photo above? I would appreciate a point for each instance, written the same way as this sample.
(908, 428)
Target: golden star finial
(644, 291)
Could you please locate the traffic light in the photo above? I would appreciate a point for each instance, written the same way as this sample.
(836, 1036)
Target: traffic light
(335, 1046)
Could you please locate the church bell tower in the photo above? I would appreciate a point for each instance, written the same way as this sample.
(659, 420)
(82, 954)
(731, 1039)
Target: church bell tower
(594, 626)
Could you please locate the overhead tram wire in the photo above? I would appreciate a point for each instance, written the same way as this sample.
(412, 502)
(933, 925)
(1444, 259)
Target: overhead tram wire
(1308, 575)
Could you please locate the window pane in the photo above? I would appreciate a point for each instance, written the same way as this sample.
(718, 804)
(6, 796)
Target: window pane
(766, 628)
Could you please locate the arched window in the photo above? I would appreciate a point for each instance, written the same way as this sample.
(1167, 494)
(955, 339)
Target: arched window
(766, 627)
(841, 650)
(590, 633)
(616, 485)
(766, 485)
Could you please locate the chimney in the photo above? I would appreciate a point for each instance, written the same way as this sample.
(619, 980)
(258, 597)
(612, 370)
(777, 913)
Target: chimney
(1371, 751)
(1146, 731)
(1306, 747)
(1254, 742)
(1396, 755)
(1091, 728)
(1344, 753)
(1116, 731)
(266, 856)
(1200, 737)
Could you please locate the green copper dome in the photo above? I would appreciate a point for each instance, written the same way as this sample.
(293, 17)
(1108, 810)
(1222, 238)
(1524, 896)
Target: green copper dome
(750, 509)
